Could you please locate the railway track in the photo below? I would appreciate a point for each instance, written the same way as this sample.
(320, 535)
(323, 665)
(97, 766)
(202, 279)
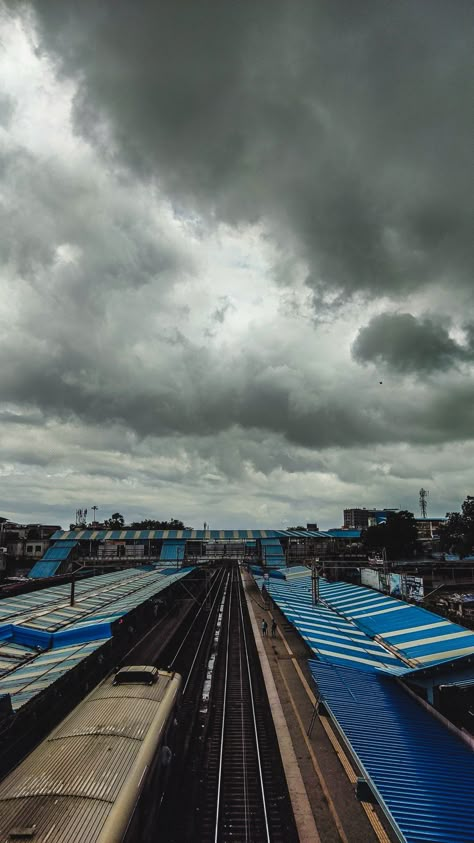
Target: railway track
(243, 795)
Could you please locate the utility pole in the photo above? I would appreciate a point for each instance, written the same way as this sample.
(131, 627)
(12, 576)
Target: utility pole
(315, 582)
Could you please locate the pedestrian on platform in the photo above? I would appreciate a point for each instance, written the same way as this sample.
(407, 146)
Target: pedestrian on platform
(274, 627)
(264, 627)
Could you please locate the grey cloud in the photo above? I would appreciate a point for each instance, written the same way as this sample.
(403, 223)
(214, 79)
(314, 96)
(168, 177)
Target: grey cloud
(405, 343)
(348, 134)
(47, 205)
(7, 108)
(347, 137)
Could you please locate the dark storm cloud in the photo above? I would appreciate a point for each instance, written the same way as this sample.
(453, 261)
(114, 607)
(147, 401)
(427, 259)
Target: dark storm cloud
(346, 135)
(346, 130)
(199, 398)
(404, 343)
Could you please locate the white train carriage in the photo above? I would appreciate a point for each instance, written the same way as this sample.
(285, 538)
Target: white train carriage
(98, 777)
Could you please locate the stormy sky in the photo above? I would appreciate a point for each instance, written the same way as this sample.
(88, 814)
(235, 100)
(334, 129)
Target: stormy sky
(236, 254)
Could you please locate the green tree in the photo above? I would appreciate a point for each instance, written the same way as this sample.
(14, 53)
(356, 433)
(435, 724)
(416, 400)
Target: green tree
(457, 535)
(153, 524)
(397, 535)
(115, 522)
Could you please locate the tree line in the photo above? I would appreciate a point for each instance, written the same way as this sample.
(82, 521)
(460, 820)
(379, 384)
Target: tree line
(398, 535)
(117, 522)
(457, 535)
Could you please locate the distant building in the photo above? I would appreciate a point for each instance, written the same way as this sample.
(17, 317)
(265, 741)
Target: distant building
(359, 518)
(23, 542)
(428, 528)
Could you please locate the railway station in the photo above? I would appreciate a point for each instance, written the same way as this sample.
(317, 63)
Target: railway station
(302, 708)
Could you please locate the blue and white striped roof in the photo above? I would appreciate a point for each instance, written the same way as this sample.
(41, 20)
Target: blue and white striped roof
(387, 634)
(67, 634)
(332, 638)
(33, 678)
(419, 637)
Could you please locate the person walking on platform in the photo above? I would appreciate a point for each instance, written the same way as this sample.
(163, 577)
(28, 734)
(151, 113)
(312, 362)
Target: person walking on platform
(264, 627)
(274, 627)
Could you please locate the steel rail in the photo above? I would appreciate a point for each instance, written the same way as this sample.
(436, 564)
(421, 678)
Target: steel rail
(221, 752)
(245, 677)
(210, 616)
(202, 606)
(254, 717)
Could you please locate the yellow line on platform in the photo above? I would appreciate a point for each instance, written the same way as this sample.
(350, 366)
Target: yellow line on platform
(305, 822)
(347, 766)
(317, 768)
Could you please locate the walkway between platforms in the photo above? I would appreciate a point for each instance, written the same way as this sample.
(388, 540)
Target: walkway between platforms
(320, 778)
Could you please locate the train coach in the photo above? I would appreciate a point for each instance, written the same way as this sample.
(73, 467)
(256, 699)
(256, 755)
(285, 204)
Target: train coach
(98, 777)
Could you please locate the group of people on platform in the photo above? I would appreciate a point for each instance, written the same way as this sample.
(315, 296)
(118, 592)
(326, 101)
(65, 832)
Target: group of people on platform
(265, 627)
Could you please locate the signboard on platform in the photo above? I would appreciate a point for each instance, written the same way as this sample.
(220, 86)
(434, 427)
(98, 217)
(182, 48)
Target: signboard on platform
(413, 588)
(370, 578)
(395, 585)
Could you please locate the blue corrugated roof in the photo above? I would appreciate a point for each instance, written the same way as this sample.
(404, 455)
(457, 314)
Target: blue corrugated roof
(419, 636)
(46, 619)
(127, 535)
(331, 637)
(273, 552)
(172, 551)
(59, 550)
(203, 535)
(421, 772)
(25, 682)
(12, 653)
(51, 561)
(44, 569)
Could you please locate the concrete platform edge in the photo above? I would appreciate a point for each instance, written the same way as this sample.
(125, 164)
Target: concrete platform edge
(304, 818)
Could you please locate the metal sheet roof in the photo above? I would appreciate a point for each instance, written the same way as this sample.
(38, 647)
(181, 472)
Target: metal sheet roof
(50, 609)
(51, 561)
(13, 654)
(67, 633)
(20, 607)
(137, 535)
(331, 637)
(273, 552)
(345, 534)
(172, 550)
(203, 535)
(44, 569)
(27, 681)
(420, 637)
(59, 550)
(422, 773)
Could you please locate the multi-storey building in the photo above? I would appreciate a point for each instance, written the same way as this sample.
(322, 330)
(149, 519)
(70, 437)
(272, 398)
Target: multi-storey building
(359, 518)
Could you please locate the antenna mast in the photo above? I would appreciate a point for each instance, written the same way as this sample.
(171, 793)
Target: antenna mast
(424, 502)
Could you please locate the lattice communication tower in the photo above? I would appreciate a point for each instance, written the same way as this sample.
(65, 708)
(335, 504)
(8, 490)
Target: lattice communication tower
(424, 502)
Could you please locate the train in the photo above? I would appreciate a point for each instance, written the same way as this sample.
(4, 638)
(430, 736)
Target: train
(98, 777)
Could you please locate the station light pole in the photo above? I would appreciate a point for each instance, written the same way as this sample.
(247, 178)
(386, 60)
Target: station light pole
(315, 571)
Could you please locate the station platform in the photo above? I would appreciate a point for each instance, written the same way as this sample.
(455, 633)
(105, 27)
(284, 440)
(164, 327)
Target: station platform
(323, 794)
